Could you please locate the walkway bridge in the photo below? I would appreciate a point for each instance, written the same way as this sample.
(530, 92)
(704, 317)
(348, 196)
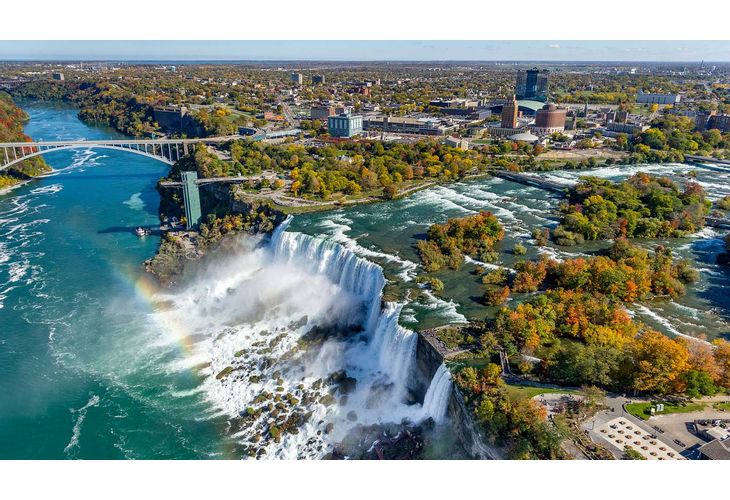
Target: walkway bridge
(706, 159)
(531, 180)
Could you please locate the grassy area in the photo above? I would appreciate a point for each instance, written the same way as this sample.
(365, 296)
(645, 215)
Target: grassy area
(722, 406)
(643, 410)
(519, 392)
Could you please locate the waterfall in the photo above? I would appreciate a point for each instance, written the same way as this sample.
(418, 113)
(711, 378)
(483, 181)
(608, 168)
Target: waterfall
(322, 256)
(252, 308)
(437, 397)
(392, 345)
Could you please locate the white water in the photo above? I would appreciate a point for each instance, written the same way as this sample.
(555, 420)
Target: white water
(80, 417)
(436, 402)
(250, 310)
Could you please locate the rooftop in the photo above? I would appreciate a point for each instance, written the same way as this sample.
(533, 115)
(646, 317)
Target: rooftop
(524, 137)
(716, 450)
(529, 104)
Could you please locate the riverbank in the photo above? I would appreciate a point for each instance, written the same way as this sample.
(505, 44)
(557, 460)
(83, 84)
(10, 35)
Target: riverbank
(12, 120)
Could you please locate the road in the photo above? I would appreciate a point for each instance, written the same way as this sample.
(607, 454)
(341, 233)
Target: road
(289, 115)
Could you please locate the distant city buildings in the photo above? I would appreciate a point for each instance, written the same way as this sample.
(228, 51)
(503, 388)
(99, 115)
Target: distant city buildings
(318, 79)
(650, 98)
(532, 85)
(297, 78)
(345, 125)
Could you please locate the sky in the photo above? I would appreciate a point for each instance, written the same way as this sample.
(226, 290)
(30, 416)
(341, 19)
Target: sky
(331, 50)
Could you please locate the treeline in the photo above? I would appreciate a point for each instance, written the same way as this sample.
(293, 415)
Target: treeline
(643, 206)
(447, 244)
(674, 135)
(12, 119)
(352, 167)
(100, 102)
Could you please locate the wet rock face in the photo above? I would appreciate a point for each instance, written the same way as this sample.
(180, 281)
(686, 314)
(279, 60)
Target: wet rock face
(382, 442)
(428, 360)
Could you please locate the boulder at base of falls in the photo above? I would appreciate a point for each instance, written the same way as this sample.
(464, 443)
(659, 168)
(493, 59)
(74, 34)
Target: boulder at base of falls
(381, 442)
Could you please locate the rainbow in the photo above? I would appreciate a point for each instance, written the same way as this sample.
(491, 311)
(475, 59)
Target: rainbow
(148, 291)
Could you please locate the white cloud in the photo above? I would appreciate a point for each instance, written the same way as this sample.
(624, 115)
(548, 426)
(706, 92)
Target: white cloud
(554, 45)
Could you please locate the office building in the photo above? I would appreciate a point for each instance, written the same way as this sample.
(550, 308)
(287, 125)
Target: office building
(626, 128)
(405, 125)
(532, 85)
(509, 113)
(173, 118)
(321, 112)
(58, 77)
(318, 79)
(456, 142)
(345, 125)
(649, 98)
(297, 78)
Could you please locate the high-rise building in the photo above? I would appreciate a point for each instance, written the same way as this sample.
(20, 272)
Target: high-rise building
(532, 84)
(58, 77)
(316, 79)
(509, 114)
(297, 78)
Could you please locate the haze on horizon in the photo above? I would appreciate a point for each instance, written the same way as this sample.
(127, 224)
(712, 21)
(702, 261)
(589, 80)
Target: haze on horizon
(376, 50)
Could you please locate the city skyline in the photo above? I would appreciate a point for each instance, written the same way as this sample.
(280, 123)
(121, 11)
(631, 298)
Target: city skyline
(318, 50)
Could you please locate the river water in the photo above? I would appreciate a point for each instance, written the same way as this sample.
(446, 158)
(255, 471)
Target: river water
(95, 362)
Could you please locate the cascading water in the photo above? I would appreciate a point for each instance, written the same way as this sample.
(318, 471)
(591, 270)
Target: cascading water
(436, 402)
(295, 344)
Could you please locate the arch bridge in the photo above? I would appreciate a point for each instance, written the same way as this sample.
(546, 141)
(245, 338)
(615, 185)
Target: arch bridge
(165, 150)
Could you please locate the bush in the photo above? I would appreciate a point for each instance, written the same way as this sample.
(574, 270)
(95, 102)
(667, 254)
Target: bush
(496, 296)
(519, 249)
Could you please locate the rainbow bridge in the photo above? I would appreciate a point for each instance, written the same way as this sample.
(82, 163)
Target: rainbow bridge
(164, 150)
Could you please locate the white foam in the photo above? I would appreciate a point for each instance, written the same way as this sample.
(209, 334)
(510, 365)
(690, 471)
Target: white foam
(135, 202)
(80, 417)
(664, 322)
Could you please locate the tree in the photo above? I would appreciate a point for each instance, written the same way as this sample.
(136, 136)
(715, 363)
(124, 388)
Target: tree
(390, 192)
(660, 363)
(699, 383)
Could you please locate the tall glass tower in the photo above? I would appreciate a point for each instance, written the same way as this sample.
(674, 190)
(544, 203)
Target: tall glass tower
(532, 84)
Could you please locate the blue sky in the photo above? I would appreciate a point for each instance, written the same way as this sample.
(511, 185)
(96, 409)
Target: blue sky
(369, 50)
